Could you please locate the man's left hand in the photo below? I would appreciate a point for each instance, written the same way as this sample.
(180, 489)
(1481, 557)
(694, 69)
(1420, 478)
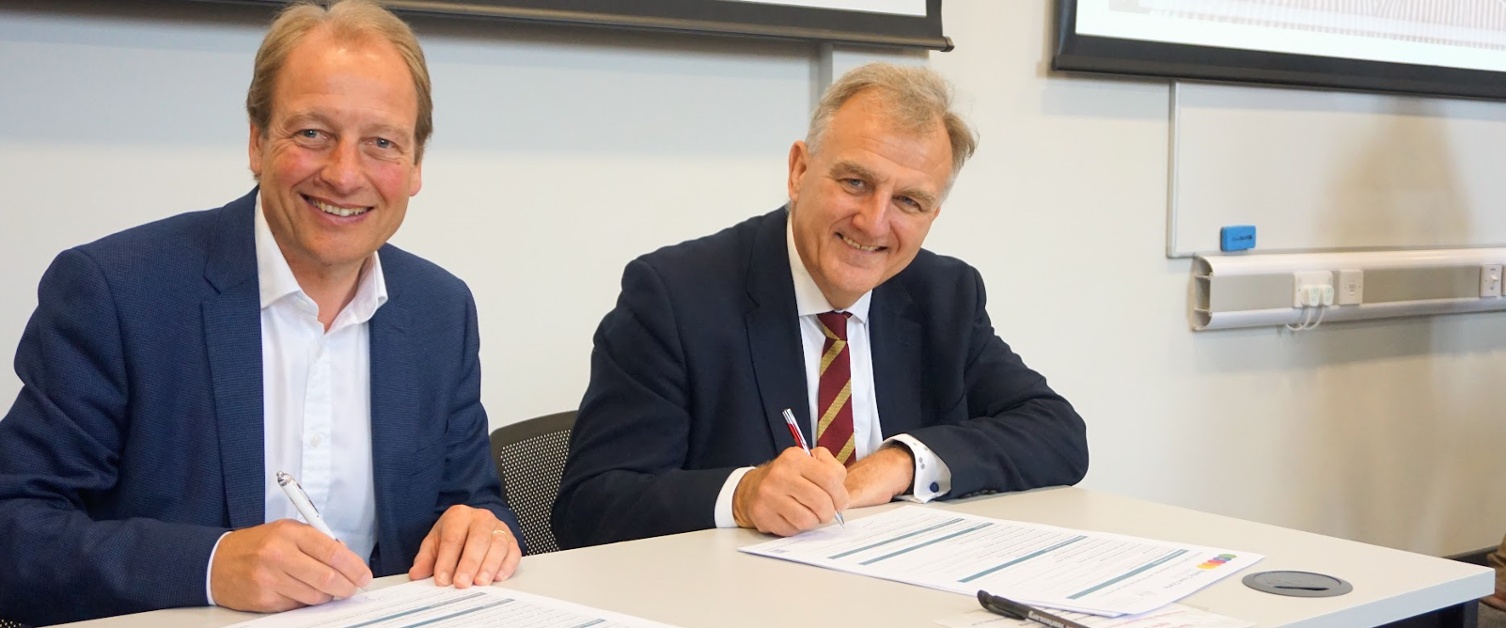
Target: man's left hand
(880, 477)
(467, 545)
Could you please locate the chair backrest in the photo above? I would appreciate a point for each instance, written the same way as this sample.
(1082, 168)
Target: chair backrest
(530, 457)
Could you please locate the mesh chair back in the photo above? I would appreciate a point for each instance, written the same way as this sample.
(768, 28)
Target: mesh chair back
(530, 457)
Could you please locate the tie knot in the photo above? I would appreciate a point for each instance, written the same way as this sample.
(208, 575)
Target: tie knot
(835, 323)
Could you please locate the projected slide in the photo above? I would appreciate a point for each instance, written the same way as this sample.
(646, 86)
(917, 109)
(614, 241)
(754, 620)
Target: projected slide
(1467, 34)
(1444, 47)
(1472, 23)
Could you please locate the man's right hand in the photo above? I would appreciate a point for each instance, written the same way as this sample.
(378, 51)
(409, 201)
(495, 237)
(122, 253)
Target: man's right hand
(792, 493)
(283, 565)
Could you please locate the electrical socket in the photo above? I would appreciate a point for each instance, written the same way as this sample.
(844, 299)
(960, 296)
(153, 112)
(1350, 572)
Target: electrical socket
(1307, 287)
(1490, 280)
(1351, 287)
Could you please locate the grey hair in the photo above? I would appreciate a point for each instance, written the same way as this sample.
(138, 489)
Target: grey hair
(915, 98)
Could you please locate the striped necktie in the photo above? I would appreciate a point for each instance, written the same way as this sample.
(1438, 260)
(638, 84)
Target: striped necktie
(834, 395)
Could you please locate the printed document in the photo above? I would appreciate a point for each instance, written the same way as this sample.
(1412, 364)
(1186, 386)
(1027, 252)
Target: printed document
(420, 603)
(1090, 572)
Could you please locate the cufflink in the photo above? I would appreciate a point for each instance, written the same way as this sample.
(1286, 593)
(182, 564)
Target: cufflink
(935, 488)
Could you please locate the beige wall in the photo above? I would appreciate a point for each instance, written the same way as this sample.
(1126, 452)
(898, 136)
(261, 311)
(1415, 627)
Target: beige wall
(560, 154)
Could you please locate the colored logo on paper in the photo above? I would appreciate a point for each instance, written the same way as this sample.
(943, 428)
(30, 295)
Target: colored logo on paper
(1216, 561)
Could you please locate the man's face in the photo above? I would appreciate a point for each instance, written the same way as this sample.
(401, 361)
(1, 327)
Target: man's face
(862, 207)
(337, 161)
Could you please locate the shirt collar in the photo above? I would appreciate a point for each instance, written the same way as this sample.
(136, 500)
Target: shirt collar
(808, 298)
(277, 281)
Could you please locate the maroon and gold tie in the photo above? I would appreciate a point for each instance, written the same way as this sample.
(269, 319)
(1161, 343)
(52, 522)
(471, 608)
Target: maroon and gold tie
(834, 395)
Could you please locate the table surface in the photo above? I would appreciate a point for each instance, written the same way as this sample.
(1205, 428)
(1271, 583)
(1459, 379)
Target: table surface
(700, 579)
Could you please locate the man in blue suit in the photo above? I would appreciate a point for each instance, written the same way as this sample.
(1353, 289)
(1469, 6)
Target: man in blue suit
(172, 370)
(829, 309)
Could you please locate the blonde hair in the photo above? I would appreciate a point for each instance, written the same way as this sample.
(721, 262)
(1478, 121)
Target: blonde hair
(915, 98)
(349, 21)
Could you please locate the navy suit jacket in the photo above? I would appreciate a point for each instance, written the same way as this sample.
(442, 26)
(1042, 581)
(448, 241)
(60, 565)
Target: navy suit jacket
(137, 438)
(691, 371)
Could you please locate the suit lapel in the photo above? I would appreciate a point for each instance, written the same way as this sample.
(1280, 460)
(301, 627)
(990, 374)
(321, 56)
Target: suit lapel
(895, 341)
(395, 420)
(232, 334)
(774, 332)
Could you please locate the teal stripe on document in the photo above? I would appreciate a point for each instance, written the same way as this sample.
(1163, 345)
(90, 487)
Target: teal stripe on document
(590, 623)
(457, 614)
(417, 610)
(897, 538)
(935, 540)
(1132, 572)
(1022, 559)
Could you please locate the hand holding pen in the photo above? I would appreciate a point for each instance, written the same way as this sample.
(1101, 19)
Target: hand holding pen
(305, 506)
(284, 564)
(789, 421)
(794, 492)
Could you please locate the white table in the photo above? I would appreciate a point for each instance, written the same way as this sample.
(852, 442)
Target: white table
(700, 579)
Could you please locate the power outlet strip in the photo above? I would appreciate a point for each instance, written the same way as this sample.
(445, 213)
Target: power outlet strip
(1309, 288)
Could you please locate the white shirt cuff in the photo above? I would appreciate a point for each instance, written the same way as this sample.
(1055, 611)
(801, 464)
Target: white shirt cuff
(209, 570)
(932, 477)
(724, 517)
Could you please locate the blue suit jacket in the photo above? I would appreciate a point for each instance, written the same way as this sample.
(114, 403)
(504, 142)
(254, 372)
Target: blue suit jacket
(692, 369)
(136, 440)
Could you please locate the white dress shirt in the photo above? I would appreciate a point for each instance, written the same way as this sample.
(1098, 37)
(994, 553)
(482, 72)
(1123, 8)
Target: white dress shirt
(316, 397)
(932, 476)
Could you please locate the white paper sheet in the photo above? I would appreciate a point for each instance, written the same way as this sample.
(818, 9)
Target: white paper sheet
(1091, 572)
(422, 603)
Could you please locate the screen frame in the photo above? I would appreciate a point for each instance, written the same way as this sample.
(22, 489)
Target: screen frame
(1074, 52)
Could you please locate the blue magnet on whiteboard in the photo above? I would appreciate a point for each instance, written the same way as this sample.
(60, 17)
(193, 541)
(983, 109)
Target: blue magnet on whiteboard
(1236, 238)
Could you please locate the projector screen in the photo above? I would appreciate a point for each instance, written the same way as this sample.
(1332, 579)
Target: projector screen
(1429, 47)
(903, 23)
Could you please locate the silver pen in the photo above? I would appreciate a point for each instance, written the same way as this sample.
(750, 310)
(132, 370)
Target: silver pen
(301, 501)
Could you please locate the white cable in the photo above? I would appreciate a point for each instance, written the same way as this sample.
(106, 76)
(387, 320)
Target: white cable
(1321, 310)
(1297, 328)
(1307, 316)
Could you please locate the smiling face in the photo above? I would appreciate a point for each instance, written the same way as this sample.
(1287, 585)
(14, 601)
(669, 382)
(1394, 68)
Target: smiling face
(861, 206)
(337, 160)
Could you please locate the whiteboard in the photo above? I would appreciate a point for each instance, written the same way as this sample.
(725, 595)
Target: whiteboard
(1325, 170)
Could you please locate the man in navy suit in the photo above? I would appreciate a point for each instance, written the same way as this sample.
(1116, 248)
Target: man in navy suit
(172, 370)
(829, 308)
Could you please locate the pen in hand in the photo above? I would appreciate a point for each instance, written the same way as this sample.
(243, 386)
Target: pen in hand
(1015, 610)
(789, 421)
(305, 507)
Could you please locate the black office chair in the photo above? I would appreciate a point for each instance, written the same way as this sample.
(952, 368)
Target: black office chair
(530, 457)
